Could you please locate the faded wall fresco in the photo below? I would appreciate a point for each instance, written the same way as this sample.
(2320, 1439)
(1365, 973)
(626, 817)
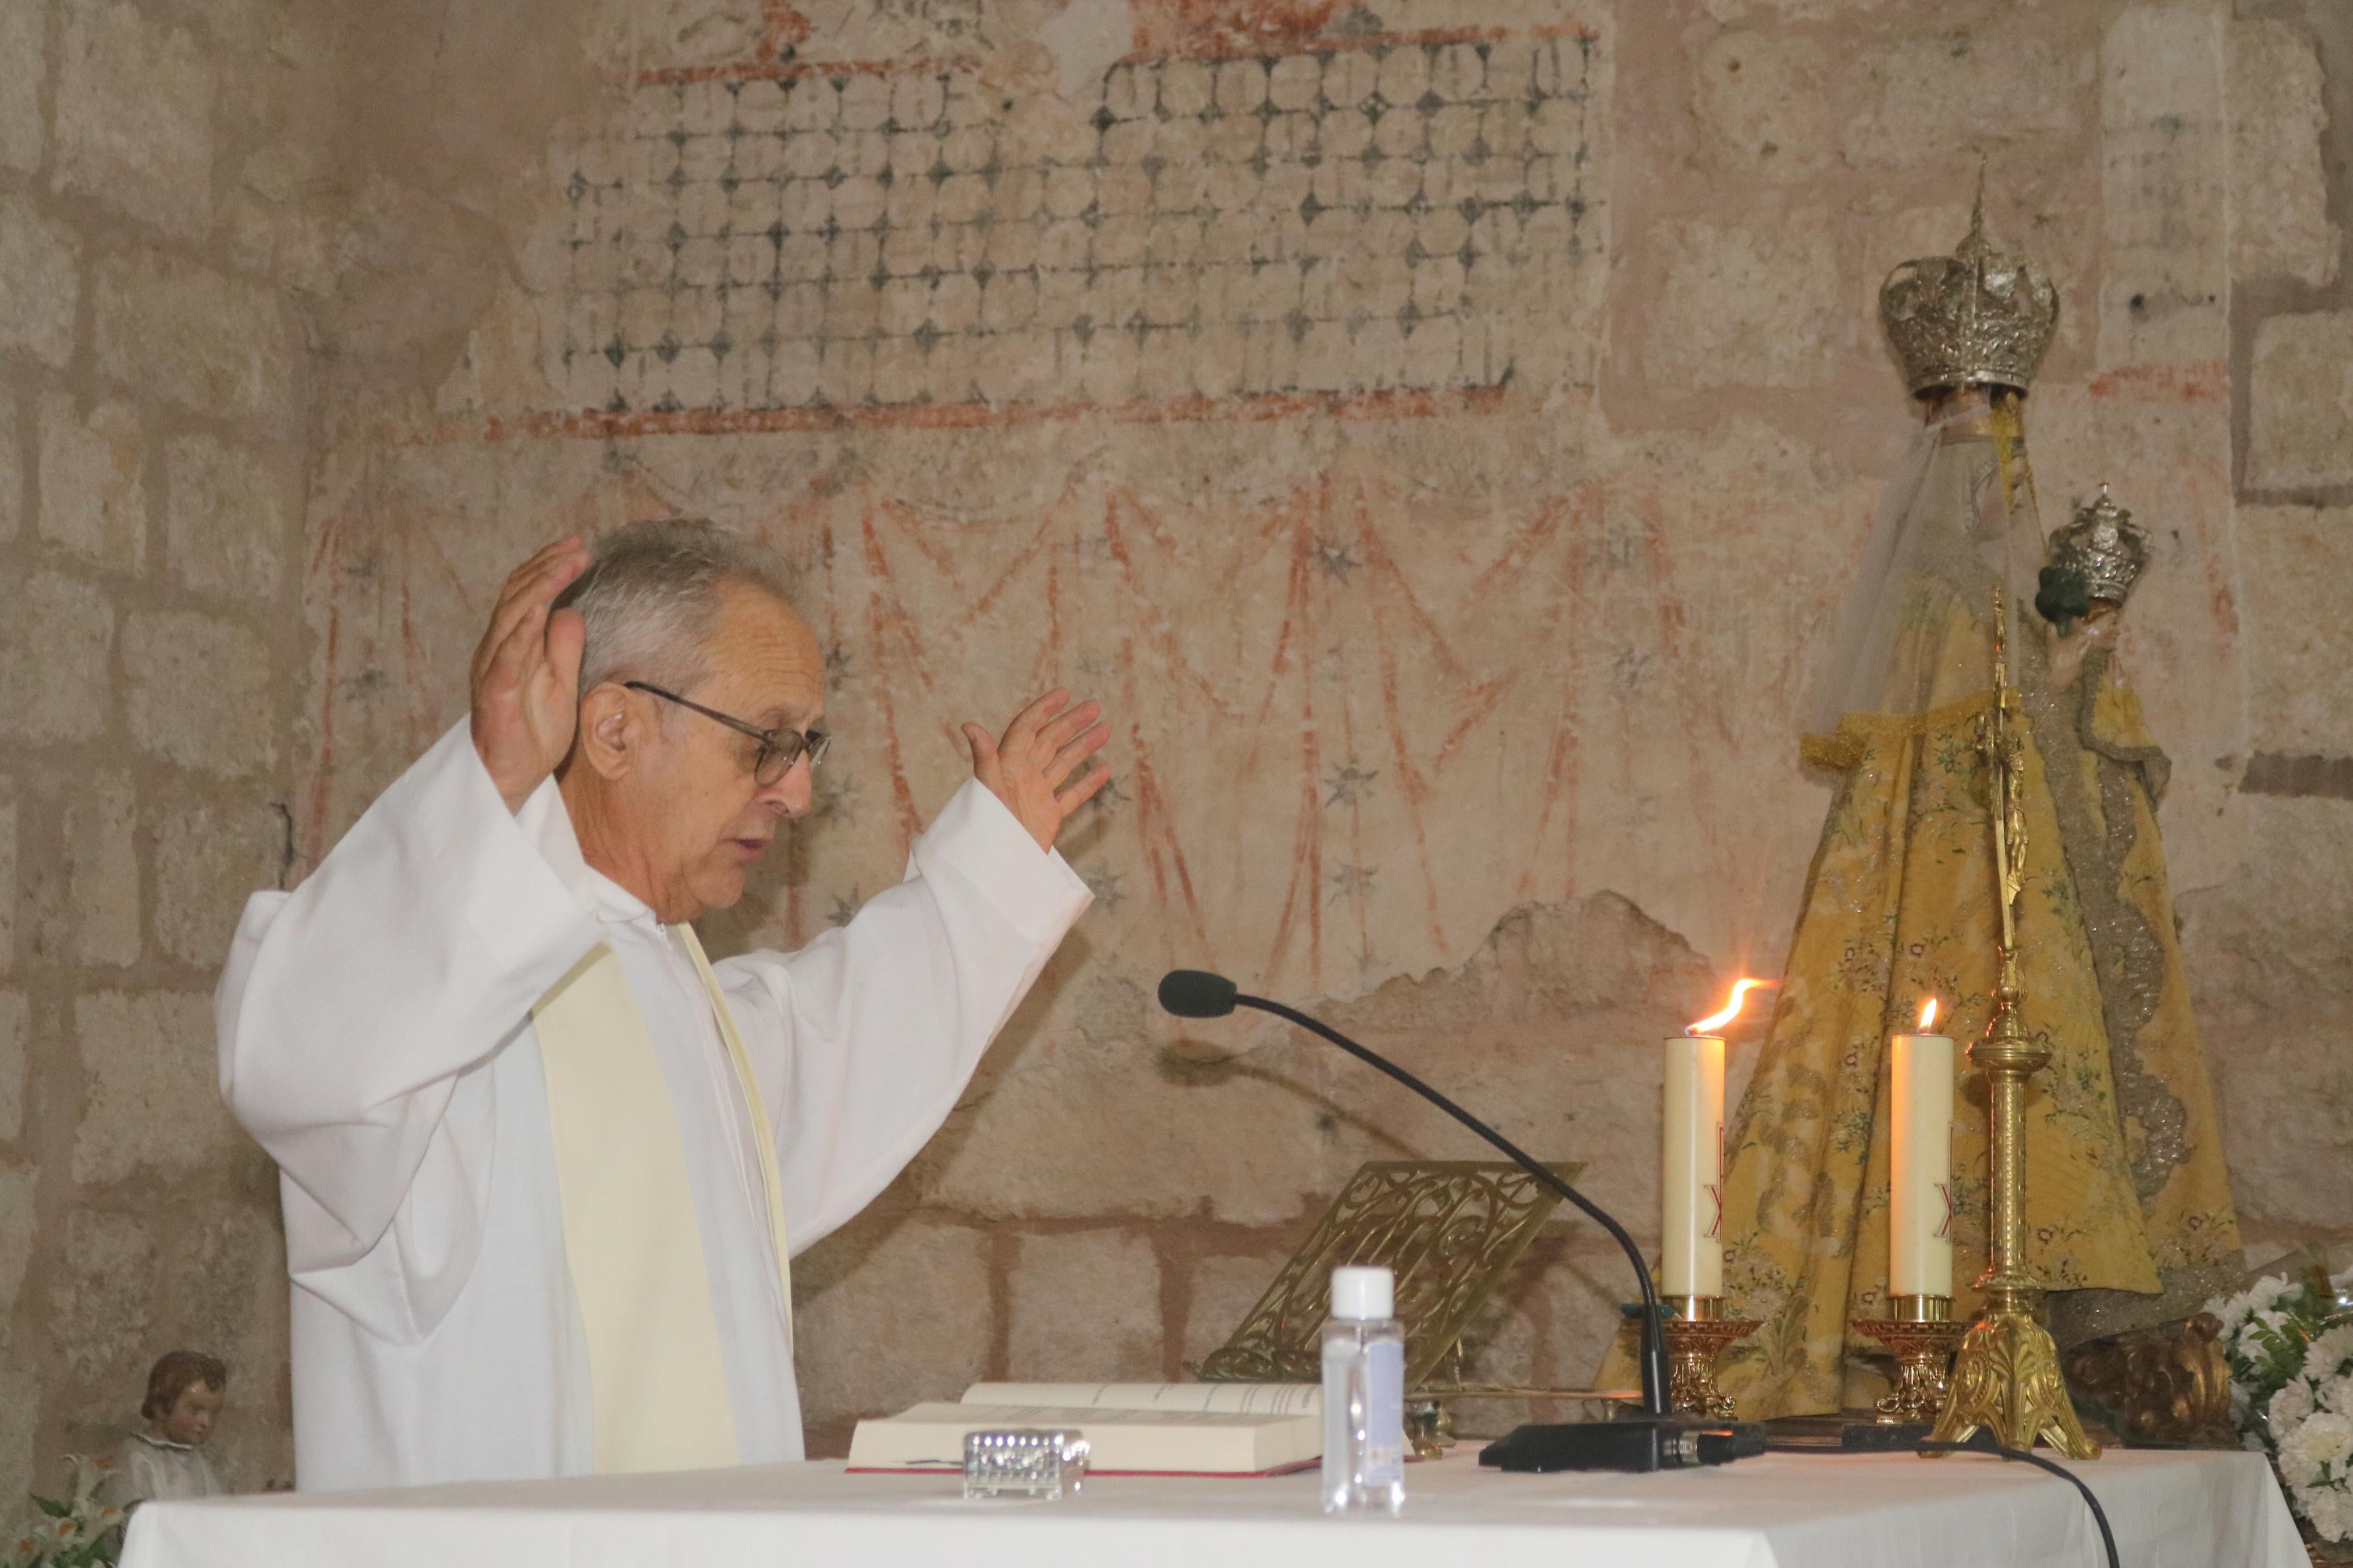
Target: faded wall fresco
(1350, 218)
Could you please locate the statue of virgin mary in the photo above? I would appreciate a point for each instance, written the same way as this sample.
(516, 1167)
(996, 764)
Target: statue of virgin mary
(2128, 1208)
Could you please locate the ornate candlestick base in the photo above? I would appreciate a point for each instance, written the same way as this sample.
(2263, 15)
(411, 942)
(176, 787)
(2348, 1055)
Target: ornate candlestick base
(1697, 1333)
(2005, 1380)
(2005, 1377)
(1923, 1336)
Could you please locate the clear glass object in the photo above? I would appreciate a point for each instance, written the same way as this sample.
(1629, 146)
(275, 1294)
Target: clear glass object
(1364, 1395)
(1022, 1461)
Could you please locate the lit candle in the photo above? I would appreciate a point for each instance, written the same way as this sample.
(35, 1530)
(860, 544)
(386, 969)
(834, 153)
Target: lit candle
(1691, 1262)
(1920, 1177)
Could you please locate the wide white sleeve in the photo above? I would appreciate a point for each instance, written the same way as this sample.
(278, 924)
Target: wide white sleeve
(865, 1038)
(349, 1007)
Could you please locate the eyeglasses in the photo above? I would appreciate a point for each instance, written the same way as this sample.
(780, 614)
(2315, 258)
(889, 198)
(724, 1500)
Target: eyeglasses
(779, 748)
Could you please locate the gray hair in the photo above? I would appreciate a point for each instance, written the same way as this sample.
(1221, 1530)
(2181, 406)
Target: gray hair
(650, 598)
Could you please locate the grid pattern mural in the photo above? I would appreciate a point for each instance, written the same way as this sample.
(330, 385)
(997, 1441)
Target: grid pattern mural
(1358, 219)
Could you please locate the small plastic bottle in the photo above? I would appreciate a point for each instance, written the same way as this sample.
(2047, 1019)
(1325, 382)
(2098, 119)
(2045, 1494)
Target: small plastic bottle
(1364, 1395)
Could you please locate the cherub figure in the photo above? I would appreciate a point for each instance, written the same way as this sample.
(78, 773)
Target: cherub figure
(184, 1390)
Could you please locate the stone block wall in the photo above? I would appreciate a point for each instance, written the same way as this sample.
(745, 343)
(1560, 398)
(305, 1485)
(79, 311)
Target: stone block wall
(1438, 429)
(154, 372)
(2268, 934)
(225, 225)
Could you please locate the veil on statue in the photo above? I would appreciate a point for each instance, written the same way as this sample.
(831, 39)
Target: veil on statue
(1957, 522)
(2128, 1211)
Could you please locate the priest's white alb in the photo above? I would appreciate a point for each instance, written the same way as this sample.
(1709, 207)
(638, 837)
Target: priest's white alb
(377, 1035)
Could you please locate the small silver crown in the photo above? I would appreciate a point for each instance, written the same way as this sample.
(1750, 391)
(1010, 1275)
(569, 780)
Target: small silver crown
(2105, 545)
(1974, 318)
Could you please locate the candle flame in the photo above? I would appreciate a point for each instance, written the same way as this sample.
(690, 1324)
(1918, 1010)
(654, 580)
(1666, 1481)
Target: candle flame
(1927, 1015)
(1740, 989)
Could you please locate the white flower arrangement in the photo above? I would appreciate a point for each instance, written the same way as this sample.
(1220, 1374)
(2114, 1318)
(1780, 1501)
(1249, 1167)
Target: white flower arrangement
(2291, 1353)
(77, 1531)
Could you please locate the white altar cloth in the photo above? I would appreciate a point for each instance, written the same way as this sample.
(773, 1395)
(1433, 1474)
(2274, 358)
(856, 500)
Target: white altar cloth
(1779, 1510)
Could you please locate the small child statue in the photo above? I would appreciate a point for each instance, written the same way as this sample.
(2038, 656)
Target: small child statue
(166, 1460)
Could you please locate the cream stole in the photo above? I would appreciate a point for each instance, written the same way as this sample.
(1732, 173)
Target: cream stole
(658, 1385)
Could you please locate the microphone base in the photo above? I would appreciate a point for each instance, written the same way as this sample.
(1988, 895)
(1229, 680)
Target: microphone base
(1635, 1447)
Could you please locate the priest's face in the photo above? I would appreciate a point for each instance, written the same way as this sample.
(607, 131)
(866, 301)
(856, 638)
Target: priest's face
(674, 810)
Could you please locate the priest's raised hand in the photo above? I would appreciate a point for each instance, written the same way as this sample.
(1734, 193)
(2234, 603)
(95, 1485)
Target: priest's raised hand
(526, 674)
(544, 1163)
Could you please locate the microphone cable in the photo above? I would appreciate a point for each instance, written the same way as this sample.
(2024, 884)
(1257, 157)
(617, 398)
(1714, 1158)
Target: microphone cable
(1981, 1441)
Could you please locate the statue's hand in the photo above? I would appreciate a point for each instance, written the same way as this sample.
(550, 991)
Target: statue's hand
(527, 677)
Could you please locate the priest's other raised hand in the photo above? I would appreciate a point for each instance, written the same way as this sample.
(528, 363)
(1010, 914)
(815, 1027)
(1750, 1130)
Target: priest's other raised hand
(1042, 748)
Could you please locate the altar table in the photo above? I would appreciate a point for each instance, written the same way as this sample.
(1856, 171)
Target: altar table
(1779, 1510)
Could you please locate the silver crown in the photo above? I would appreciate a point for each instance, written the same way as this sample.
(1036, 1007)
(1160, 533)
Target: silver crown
(1974, 318)
(2105, 545)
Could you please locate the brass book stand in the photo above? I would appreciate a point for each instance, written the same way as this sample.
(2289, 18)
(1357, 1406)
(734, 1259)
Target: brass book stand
(1451, 1231)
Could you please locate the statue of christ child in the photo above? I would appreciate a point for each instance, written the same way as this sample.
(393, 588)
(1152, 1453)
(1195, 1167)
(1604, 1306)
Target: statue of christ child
(165, 1458)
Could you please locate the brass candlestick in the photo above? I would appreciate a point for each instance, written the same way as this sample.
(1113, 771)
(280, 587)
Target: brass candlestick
(2005, 1378)
(1697, 1332)
(1922, 1336)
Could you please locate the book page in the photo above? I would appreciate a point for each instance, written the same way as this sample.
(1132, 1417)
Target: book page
(1239, 1398)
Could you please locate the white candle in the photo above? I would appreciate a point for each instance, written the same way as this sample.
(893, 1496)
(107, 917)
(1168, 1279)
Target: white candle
(1692, 1261)
(1920, 1176)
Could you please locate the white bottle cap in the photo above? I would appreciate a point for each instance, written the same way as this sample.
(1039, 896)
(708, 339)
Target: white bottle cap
(1363, 1294)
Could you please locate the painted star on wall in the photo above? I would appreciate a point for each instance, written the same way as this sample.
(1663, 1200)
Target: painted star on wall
(1350, 783)
(1336, 558)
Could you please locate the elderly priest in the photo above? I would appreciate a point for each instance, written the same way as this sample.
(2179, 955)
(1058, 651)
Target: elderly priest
(543, 1161)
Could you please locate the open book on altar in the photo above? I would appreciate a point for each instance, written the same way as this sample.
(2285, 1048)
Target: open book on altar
(1131, 1428)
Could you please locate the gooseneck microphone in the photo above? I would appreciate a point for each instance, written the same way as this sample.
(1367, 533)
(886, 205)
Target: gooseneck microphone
(1197, 993)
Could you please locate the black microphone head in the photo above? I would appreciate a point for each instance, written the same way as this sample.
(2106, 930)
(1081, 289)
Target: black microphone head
(1197, 993)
